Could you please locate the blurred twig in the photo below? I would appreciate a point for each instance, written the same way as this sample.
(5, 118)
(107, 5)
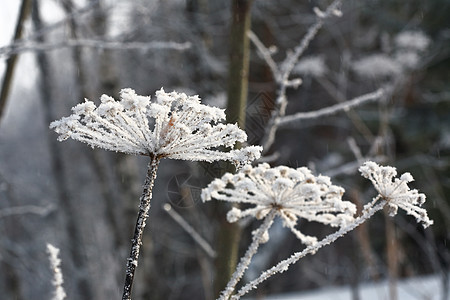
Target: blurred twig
(26, 209)
(99, 44)
(344, 106)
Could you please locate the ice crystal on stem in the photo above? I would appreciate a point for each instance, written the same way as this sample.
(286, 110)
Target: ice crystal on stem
(175, 126)
(55, 263)
(395, 191)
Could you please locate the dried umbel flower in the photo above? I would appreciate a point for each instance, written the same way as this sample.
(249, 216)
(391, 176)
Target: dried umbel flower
(292, 193)
(395, 191)
(174, 126)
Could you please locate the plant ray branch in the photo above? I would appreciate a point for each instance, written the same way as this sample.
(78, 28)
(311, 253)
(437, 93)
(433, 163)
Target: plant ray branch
(99, 44)
(288, 120)
(144, 208)
(282, 266)
(246, 259)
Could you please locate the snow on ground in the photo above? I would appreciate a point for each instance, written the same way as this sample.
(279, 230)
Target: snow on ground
(417, 288)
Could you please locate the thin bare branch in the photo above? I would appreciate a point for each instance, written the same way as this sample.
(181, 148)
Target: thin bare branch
(288, 120)
(265, 54)
(99, 44)
(190, 230)
(26, 209)
(283, 71)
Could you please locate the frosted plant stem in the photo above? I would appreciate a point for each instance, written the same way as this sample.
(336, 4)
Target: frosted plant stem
(144, 208)
(258, 237)
(282, 266)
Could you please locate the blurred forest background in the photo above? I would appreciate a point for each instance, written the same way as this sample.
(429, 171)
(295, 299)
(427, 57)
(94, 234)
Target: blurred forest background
(84, 201)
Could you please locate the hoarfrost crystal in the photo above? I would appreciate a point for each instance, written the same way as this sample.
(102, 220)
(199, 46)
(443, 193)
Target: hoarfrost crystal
(293, 193)
(182, 128)
(55, 263)
(396, 191)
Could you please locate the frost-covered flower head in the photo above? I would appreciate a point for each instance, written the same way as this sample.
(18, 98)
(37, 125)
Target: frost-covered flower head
(292, 193)
(174, 126)
(395, 191)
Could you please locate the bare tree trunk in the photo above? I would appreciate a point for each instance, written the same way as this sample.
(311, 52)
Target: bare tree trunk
(229, 233)
(25, 9)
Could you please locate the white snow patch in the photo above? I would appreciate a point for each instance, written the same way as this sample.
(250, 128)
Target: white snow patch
(416, 288)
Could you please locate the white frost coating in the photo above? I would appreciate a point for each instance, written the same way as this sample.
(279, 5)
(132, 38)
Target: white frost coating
(293, 193)
(174, 126)
(412, 40)
(396, 191)
(55, 264)
(407, 59)
(377, 66)
(311, 65)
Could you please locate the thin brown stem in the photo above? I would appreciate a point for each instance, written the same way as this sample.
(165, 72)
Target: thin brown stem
(144, 208)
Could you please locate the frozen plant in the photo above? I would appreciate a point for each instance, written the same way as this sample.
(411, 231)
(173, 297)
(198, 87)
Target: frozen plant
(395, 191)
(55, 264)
(174, 126)
(293, 193)
(280, 191)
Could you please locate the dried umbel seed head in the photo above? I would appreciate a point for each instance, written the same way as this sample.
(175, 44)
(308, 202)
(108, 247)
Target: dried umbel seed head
(395, 191)
(292, 193)
(174, 126)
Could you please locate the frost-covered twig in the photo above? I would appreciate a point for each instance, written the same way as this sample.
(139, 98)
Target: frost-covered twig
(284, 265)
(266, 55)
(282, 72)
(290, 61)
(55, 263)
(99, 44)
(175, 126)
(26, 209)
(191, 231)
(288, 120)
